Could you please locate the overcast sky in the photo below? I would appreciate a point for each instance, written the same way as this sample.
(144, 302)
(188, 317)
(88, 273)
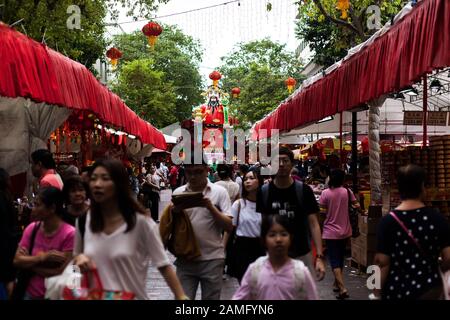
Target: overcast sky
(221, 27)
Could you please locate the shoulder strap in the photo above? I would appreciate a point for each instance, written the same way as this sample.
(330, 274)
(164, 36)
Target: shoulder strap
(82, 228)
(299, 191)
(33, 236)
(265, 196)
(254, 275)
(82, 225)
(239, 213)
(402, 225)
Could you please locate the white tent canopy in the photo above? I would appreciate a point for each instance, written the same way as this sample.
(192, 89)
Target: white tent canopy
(391, 122)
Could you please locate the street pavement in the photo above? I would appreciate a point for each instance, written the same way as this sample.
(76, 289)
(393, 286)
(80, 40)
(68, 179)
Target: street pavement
(355, 281)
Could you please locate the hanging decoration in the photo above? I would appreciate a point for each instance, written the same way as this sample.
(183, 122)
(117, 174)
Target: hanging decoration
(236, 92)
(343, 6)
(152, 30)
(114, 55)
(215, 76)
(290, 83)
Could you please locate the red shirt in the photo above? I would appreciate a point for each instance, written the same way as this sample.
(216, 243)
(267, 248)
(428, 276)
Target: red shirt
(173, 176)
(51, 179)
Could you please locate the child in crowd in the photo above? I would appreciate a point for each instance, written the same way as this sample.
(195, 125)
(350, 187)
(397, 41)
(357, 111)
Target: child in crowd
(277, 276)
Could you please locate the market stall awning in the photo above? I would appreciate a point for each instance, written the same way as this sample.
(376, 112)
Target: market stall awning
(30, 69)
(395, 57)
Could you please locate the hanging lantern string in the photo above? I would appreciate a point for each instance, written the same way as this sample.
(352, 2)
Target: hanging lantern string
(178, 13)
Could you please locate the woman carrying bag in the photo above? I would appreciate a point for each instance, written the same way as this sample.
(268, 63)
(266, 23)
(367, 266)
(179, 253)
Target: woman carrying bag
(45, 248)
(118, 240)
(337, 229)
(411, 239)
(244, 245)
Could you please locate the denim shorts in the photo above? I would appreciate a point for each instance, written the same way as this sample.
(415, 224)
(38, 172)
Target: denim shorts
(336, 252)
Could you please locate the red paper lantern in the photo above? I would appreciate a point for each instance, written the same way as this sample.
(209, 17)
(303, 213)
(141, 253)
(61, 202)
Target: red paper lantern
(152, 30)
(235, 92)
(114, 54)
(215, 76)
(290, 83)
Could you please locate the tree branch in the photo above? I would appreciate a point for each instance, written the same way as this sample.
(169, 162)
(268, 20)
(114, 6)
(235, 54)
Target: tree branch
(358, 23)
(343, 23)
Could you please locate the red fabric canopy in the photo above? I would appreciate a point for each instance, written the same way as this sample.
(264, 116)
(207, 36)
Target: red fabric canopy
(32, 70)
(414, 46)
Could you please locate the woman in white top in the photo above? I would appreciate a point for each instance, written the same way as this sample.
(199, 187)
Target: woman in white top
(248, 226)
(119, 240)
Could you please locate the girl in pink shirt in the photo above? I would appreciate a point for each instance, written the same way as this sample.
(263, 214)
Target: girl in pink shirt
(277, 276)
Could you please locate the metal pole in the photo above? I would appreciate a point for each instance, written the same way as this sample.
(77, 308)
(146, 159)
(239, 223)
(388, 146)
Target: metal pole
(425, 107)
(354, 168)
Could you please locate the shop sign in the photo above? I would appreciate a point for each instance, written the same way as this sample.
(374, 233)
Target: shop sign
(437, 118)
(434, 118)
(412, 118)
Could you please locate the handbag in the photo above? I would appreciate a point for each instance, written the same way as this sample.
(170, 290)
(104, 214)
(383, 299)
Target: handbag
(230, 255)
(353, 217)
(445, 277)
(24, 275)
(92, 289)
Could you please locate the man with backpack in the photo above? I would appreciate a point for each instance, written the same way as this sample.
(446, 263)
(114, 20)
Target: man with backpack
(286, 197)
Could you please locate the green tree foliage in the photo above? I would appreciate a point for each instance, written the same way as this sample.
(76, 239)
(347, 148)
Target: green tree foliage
(143, 88)
(46, 20)
(259, 68)
(136, 8)
(176, 56)
(320, 24)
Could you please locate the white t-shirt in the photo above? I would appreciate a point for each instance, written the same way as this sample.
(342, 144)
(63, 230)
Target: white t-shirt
(206, 228)
(231, 187)
(122, 259)
(249, 219)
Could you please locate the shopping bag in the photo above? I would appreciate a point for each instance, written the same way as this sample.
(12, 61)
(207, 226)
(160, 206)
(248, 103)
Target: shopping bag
(92, 289)
(55, 285)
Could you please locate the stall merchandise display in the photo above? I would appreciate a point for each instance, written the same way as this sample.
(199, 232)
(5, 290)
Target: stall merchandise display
(434, 159)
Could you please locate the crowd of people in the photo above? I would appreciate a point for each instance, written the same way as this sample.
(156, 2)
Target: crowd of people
(263, 230)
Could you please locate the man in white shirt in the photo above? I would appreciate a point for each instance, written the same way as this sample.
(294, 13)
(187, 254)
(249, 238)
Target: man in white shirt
(224, 172)
(209, 218)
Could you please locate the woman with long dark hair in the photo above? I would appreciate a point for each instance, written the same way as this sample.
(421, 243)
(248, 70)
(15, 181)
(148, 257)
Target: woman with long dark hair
(119, 239)
(337, 228)
(247, 222)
